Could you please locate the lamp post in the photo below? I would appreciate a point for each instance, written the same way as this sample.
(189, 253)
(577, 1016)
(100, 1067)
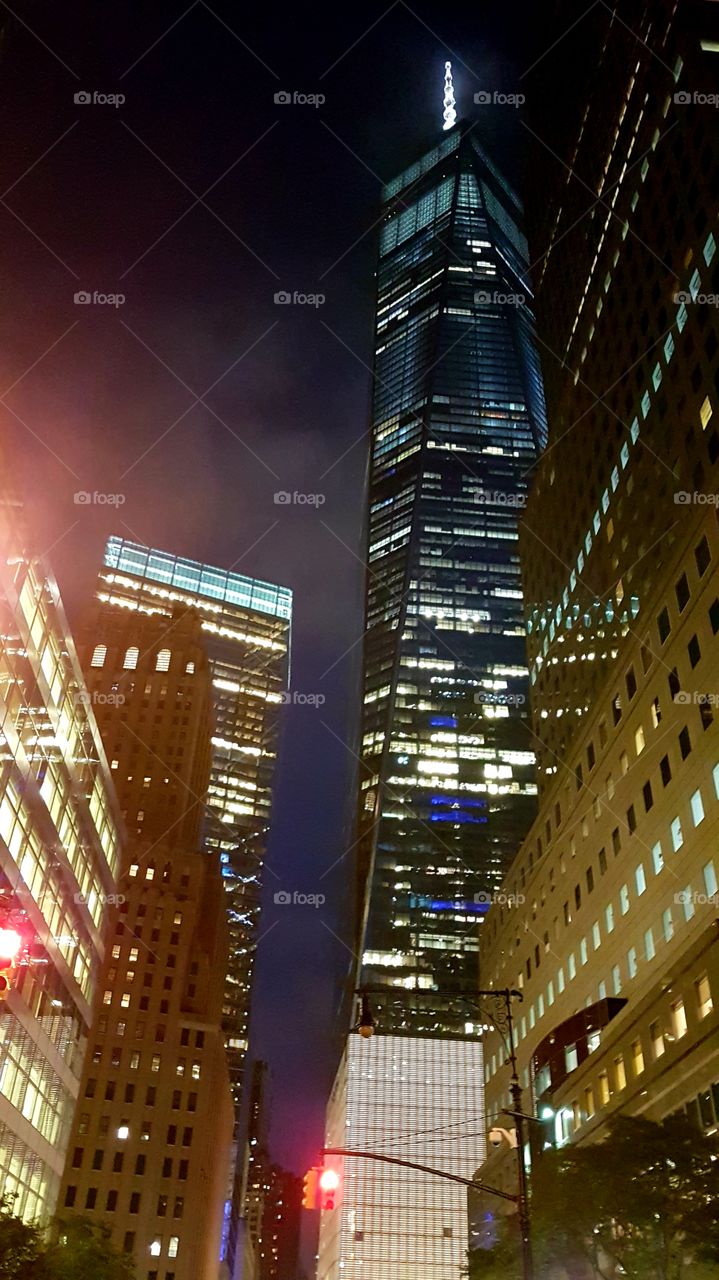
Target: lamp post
(503, 1022)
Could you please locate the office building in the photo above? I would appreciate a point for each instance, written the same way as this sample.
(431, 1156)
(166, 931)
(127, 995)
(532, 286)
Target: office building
(245, 628)
(447, 773)
(612, 929)
(59, 858)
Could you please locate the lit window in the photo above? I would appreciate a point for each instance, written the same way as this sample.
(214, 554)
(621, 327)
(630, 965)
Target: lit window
(632, 962)
(603, 1088)
(710, 880)
(705, 1004)
(657, 859)
(99, 654)
(677, 835)
(131, 658)
(123, 1132)
(640, 880)
(609, 917)
(125, 1000)
(134, 869)
(667, 925)
(173, 1247)
(705, 412)
(649, 948)
(697, 808)
(616, 979)
(589, 1103)
(163, 660)
(637, 1057)
(686, 897)
(656, 1035)
(639, 740)
(624, 899)
(190, 669)
(620, 1075)
(679, 1019)
(155, 1248)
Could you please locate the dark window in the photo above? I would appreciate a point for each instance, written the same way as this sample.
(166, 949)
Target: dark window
(167, 1167)
(176, 1099)
(648, 797)
(150, 1096)
(694, 651)
(685, 743)
(97, 1159)
(705, 712)
(681, 591)
(117, 1162)
(577, 896)
(567, 916)
(140, 1165)
(161, 1206)
(631, 818)
(666, 770)
(185, 1033)
(674, 685)
(199, 1040)
(182, 1173)
(702, 555)
(90, 1088)
(111, 1202)
(616, 708)
(135, 1202)
(590, 879)
(70, 1194)
(179, 1207)
(171, 1135)
(192, 1102)
(187, 1137)
(109, 1090)
(602, 861)
(128, 1243)
(616, 840)
(663, 626)
(77, 1157)
(91, 1198)
(714, 615)
(631, 682)
(129, 1093)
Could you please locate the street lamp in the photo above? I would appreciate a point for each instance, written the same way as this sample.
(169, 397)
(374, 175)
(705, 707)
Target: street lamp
(503, 1023)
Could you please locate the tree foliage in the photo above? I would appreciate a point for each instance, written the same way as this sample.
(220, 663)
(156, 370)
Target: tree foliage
(78, 1250)
(642, 1205)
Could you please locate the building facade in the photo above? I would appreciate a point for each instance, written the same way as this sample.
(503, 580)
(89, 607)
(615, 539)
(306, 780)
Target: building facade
(609, 926)
(446, 781)
(60, 834)
(152, 1137)
(245, 629)
(421, 1100)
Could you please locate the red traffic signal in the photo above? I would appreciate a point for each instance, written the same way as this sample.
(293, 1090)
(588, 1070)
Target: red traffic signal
(10, 945)
(329, 1188)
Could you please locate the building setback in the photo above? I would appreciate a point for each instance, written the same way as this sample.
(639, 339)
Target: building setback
(612, 934)
(59, 856)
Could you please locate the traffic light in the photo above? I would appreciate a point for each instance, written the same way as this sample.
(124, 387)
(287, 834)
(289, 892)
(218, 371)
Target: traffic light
(329, 1188)
(309, 1193)
(10, 944)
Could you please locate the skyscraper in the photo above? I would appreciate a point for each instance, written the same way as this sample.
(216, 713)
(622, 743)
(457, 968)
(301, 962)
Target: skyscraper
(59, 858)
(245, 630)
(446, 787)
(457, 420)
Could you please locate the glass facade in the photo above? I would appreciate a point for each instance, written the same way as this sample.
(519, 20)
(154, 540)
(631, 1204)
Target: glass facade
(59, 855)
(420, 1100)
(447, 788)
(245, 625)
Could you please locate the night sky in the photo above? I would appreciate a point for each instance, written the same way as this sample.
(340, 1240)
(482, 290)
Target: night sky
(198, 199)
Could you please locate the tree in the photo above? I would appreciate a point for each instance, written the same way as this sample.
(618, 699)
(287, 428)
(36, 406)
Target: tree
(82, 1251)
(643, 1204)
(21, 1244)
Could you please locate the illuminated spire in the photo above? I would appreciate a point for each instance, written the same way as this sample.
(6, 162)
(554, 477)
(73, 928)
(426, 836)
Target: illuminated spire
(450, 114)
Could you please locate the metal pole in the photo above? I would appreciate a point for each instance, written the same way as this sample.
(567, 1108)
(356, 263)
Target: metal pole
(523, 1196)
(425, 1168)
